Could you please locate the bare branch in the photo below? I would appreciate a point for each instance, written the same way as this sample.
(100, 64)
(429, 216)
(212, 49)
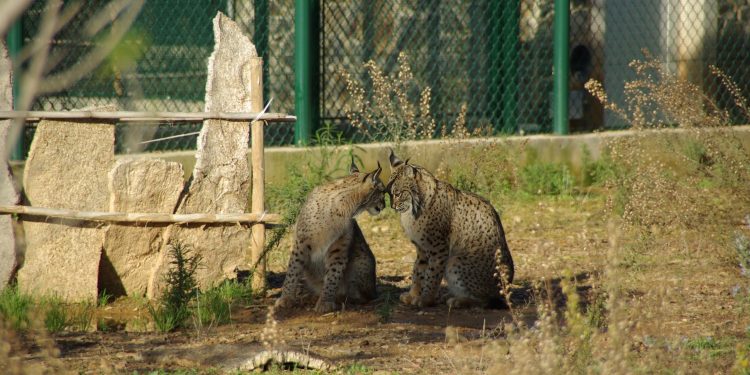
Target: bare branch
(90, 61)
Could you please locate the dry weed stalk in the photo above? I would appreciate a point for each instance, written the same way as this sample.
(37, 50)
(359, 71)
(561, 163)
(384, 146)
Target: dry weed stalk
(395, 108)
(649, 190)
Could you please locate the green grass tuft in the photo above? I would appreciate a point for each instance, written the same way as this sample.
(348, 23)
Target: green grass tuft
(14, 307)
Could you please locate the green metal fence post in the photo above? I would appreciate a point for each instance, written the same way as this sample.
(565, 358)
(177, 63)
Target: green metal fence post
(306, 69)
(260, 34)
(561, 68)
(14, 41)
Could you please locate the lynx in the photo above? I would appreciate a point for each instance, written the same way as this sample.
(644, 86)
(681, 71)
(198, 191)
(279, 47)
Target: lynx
(330, 256)
(457, 235)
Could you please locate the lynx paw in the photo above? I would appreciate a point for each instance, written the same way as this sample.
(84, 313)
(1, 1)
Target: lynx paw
(459, 303)
(424, 301)
(407, 298)
(325, 307)
(283, 303)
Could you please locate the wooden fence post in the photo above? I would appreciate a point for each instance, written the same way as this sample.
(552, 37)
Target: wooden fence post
(257, 261)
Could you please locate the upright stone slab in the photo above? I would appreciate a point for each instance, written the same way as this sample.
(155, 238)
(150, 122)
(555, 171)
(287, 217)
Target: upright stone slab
(221, 178)
(130, 250)
(66, 168)
(8, 193)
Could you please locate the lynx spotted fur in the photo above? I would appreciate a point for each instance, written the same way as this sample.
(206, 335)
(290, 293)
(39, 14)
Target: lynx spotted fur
(330, 256)
(458, 235)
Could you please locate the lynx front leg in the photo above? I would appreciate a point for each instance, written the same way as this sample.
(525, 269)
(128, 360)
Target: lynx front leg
(337, 258)
(294, 280)
(417, 275)
(432, 275)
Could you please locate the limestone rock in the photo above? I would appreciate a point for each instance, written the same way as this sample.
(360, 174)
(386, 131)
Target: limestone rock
(66, 168)
(130, 250)
(8, 193)
(221, 178)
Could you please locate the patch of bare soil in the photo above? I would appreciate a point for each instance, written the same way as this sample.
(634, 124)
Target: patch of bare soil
(547, 237)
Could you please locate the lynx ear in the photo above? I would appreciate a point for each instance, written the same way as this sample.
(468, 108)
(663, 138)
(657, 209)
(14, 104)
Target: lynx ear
(376, 174)
(353, 168)
(395, 161)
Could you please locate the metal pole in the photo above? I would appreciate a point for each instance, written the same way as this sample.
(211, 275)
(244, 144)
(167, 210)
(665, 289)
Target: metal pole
(561, 68)
(306, 69)
(260, 37)
(15, 41)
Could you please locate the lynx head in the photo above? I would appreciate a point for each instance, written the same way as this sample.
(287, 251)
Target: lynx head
(374, 201)
(402, 186)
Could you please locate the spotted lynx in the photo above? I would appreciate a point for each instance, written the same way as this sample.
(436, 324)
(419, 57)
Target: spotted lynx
(330, 256)
(457, 235)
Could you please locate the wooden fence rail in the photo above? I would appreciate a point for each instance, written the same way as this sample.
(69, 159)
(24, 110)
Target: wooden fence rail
(144, 218)
(135, 116)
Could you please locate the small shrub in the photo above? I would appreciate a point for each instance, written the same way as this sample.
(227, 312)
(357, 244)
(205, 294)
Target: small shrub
(14, 307)
(55, 315)
(181, 282)
(181, 287)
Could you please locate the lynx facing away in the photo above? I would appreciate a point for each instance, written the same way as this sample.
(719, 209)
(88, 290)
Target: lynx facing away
(457, 235)
(330, 255)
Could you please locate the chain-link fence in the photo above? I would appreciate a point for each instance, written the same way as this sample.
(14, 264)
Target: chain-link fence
(494, 57)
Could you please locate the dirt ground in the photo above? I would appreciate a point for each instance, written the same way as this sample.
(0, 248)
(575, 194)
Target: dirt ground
(547, 236)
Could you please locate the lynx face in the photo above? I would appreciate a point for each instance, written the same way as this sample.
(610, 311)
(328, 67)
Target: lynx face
(401, 199)
(374, 202)
(404, 191)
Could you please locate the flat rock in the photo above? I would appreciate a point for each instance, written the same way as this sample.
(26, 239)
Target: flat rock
(221, 178)
(66, 168)
(130, 251)
(8, 193)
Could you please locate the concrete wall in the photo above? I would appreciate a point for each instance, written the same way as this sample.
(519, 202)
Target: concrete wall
(433, 153)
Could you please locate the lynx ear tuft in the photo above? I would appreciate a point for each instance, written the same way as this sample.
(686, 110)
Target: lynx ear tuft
(393, 159)
(353, 167)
